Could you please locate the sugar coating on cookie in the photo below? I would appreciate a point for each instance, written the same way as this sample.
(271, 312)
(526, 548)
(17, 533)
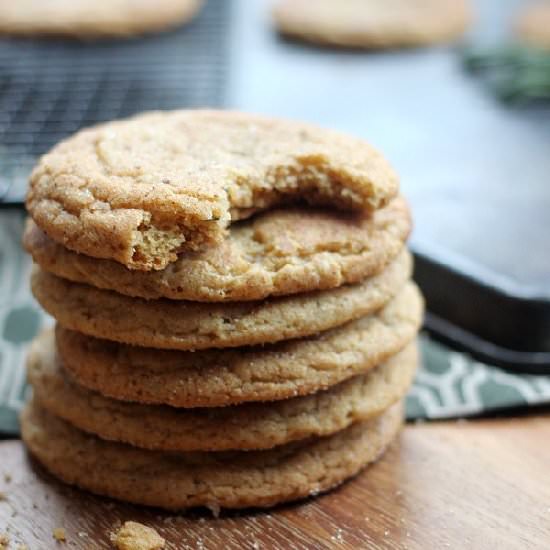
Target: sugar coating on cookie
(373, 23)
(183, 325)
(93, 19)
(230, 479)
(278, 252)
(245, 427)
(533, 24)
(214, 378)
(142, 190)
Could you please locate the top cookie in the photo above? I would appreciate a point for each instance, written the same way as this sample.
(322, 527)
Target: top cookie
(373, 23)
(141, 190)
(533, 25)
(93, 19)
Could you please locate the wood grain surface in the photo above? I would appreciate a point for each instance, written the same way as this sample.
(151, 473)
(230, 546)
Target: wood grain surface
(481, 484)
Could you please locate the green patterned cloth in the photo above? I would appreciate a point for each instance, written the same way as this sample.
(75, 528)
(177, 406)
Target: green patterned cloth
(449, 384)
(20, 318)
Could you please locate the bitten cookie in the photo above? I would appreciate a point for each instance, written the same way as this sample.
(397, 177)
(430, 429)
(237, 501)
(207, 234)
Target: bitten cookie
(372, 23)
(213, 378)
(276, 253)
(92, 19)
(241, 427)
(170, 324)
(140, 191)
(217, 480)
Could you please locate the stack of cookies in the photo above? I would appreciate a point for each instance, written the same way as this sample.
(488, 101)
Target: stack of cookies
(235, 319)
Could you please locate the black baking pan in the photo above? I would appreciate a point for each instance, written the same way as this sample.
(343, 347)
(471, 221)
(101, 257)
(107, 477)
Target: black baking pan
(505, 325)
(476, 171)
(51, 88)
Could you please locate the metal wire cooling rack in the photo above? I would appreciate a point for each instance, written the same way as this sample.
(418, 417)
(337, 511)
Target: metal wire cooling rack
(49, 89)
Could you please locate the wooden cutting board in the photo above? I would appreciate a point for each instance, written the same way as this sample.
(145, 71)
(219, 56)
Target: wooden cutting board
(466, 485)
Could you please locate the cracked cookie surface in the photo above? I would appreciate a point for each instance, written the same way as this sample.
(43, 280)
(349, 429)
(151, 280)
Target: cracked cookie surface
(279, 252)
(231, 479)
(242, 427)
(141, 191)
(212, 378)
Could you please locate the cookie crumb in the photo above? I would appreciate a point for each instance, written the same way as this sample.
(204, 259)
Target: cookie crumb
(3, 496)
(59, 534)
(4, 541)
(136, 536)
(7, 478)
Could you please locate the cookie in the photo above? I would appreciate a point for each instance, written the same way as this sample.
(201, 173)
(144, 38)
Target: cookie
(171, 324)
(92, 19)
(143, 190)
(279, 252)
(214, 378)
(372, 23)
(533, 25)
(241, 427)
(232, 479)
